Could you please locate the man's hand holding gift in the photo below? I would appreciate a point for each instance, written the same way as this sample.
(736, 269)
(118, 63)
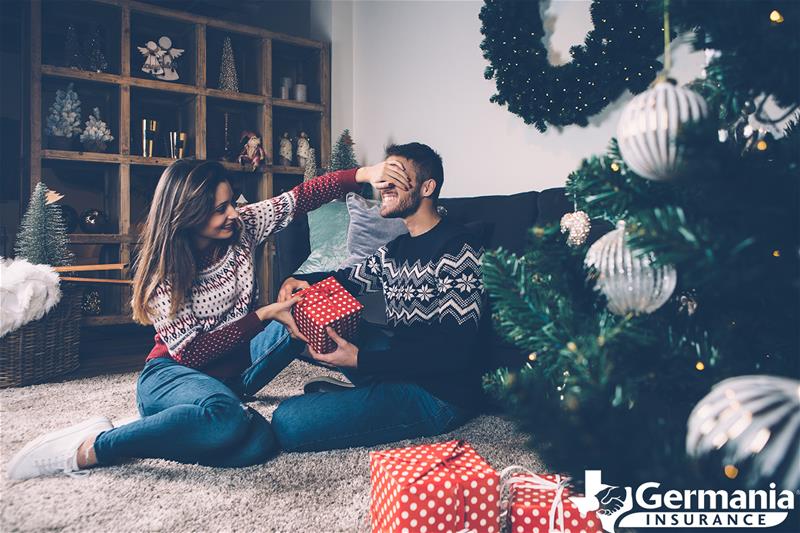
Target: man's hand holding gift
(345, 355)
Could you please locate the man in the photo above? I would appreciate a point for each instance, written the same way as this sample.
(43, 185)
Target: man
(422, 377)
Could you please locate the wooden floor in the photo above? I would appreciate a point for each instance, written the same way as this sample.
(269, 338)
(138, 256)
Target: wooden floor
(113, 349)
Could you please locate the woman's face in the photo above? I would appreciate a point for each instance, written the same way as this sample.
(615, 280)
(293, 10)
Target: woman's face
(224, 218)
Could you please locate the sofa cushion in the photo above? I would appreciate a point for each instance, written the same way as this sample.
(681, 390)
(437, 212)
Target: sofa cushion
(327, 237)
(509, 216)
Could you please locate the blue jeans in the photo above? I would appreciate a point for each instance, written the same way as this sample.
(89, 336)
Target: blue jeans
(376, 411)
(191, 417)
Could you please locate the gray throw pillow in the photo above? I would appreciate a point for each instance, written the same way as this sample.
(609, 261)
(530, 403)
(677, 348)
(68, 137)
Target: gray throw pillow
(368, 230)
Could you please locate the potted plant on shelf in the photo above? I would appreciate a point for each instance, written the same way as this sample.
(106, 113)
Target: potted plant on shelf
(64, 119)
(96, 135)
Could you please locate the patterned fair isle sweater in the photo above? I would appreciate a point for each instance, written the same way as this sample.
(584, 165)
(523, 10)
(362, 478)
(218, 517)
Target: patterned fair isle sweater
(213, 327)
(435, 303)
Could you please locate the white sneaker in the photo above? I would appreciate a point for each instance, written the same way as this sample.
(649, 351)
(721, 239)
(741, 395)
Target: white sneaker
(55, 452)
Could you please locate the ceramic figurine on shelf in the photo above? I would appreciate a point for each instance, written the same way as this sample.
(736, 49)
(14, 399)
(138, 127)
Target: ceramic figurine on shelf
(286, 150)
(152, 62)
(303, 150)
(252, 151)
(168, 63)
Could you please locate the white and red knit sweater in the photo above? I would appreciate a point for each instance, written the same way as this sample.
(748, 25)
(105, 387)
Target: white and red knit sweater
(213, 327)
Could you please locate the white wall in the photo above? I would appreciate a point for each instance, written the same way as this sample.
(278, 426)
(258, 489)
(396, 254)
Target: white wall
(417, 75)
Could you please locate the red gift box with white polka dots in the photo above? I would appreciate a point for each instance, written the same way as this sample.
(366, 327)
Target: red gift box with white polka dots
(444, 487)
(325, 304)
(530, 508)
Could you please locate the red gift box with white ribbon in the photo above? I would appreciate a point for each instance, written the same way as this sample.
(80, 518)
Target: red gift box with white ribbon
(444, 487)
(540, 503)
(325, 304)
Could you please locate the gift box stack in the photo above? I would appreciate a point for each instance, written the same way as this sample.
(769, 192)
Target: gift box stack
(433, 488)
(540, 503)
(448, 487)
(325, 304)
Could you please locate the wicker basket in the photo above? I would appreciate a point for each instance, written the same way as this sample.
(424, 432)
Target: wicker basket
(46, 347)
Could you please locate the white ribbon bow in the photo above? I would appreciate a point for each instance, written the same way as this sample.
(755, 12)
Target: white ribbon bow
(517, 477)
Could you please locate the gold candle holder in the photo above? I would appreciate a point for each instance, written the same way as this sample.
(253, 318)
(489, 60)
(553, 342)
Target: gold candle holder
(177, 144)
(149, 131)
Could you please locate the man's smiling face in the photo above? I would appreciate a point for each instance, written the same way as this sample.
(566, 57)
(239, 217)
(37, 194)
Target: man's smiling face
(397, 203)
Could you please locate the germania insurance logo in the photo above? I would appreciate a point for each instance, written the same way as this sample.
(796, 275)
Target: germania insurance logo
(649, 506)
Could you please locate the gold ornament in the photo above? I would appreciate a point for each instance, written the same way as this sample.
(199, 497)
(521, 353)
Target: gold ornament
(578, 226)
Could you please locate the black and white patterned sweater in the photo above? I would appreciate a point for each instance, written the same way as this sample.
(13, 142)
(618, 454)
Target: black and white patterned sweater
(435, 304)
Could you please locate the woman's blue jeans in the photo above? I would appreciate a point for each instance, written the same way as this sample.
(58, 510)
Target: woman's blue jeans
(190, 417)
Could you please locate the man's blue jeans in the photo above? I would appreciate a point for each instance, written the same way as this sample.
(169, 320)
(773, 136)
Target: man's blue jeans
(190, 417)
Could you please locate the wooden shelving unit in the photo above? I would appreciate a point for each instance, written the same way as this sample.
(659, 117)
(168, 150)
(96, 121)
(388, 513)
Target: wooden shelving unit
(122, 179)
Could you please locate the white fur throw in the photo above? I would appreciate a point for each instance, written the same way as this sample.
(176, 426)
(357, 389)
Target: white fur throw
(27, 292)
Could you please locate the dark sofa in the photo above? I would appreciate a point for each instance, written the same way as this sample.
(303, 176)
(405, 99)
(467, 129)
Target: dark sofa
(505, 220)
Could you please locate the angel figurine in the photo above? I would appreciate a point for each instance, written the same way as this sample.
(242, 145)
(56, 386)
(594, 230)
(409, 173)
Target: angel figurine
(168, 58)
(303, 150)
(152, 62)
(252, 151)
(286, 150)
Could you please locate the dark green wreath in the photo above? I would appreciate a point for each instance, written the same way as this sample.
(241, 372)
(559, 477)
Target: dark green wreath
(618, 54)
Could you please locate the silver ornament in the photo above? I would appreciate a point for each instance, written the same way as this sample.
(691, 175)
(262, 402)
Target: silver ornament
(578, 226)
(632, 284)
(649, 127)
(754, 422)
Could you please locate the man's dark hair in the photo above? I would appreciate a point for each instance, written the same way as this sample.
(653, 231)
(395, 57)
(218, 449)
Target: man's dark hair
(427, 163)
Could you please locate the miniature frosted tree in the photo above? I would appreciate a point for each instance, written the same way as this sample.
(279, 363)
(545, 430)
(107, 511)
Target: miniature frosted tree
(343, 156)
(64, 118)
(97, 133)
(228, 79)
(42, 238)
(311, 165)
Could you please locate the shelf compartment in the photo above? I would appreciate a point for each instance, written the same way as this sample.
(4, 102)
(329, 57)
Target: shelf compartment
(242, 117)
(300, 64)
(86, 17)
(85, 185)
(147, 27)
(111, 294)
(173, 112)
(246, 53)
(91, 94)
(293, 122)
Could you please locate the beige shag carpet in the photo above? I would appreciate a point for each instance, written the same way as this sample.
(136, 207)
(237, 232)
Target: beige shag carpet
(295, 492)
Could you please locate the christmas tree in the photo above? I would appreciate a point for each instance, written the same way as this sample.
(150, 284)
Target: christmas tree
(64, 118)
(605, 384)
(42, 238)
(343, 156)
(95, 51)
(72, 48)
(228, 79)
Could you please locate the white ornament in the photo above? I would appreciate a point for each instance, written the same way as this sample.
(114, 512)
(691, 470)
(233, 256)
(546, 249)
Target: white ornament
(632, 284)
(578, 226)
(649, 127)
(303, 150)
(754, 422)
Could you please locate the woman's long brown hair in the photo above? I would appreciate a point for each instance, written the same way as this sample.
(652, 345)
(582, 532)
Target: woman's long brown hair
(182, 204)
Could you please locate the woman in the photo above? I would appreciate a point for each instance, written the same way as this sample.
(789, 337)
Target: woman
(195, 283)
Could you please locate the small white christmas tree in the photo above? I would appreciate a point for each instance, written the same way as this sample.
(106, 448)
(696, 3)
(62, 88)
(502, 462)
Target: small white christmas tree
(228, 79)
(311, 165)
(42, 238)
(97, 133)
(64, 118)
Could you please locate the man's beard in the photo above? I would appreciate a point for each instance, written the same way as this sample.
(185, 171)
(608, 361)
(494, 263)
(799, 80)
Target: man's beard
(406, 207)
